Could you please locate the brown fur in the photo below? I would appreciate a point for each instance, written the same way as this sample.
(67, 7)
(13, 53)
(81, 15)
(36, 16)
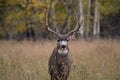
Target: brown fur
(59, 65)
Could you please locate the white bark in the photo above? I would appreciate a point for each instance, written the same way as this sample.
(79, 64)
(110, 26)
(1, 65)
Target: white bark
(81, 16)
(88, 15)
(96, 27)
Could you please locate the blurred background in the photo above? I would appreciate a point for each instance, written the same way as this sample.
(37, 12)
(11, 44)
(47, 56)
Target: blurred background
(26, 45)
(25, 19)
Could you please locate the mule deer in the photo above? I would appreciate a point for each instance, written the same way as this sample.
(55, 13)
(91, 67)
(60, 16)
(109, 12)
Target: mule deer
(60, 61)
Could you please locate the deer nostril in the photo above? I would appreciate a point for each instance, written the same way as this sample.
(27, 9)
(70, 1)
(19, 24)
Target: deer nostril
(63, 46)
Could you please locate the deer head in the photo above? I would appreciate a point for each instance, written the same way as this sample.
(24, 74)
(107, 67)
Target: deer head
(63, 39)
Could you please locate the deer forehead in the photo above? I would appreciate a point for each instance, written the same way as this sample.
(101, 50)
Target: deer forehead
(63, 42)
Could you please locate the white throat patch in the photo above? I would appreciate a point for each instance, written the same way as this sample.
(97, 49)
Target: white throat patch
(62, 51)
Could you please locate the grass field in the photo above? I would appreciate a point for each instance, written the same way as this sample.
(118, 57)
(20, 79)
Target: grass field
(92, 60)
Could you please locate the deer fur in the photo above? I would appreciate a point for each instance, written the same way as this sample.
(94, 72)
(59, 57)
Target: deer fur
(60, 65)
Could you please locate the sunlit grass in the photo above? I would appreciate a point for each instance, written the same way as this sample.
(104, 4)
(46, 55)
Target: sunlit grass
(92, 60)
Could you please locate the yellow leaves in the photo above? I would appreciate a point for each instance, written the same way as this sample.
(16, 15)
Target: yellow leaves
(103, 9)
(42, 15)
(14, 19)
(60, 16)
(39, 16)
(9, 17)
(28, 13)
(23, 5)
(12, 2)
(37, 3)
(109, 6)
(20, 26)
(34, 1)
(12, 15)
(53, 4)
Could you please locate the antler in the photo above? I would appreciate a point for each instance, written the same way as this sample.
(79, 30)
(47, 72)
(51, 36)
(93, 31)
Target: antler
(78, 25)
(49, 29)
(47, 24)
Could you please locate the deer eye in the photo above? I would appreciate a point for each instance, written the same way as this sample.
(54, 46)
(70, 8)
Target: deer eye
(67, 40)
(58, 40)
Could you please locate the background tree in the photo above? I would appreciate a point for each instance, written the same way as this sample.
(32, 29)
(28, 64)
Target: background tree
(81, 16)
(96, 26)
(18, 15)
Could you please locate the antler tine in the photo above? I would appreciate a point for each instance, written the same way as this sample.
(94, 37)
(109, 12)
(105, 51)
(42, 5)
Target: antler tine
(47, 21)
(47, 24)
(78, 25)
(49, 29)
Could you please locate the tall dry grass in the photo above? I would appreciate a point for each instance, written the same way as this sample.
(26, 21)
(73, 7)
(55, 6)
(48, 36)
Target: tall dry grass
(92, 60)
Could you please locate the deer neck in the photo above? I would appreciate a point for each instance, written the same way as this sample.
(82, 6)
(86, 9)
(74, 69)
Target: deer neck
(63, 51)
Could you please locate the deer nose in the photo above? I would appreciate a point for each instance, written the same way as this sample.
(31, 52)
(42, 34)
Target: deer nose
(63, 46)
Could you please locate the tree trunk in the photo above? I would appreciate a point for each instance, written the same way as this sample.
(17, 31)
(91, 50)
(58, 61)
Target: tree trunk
(81, 16)
(88, 17)
(96, 27)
